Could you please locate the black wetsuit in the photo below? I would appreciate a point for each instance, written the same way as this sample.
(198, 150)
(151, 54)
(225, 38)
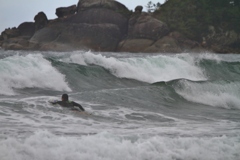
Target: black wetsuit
(69, 104)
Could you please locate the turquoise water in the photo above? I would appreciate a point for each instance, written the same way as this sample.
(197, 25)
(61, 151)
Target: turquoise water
(142, 106)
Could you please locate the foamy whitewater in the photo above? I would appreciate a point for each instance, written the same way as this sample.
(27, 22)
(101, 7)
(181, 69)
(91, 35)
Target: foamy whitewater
(140, 106)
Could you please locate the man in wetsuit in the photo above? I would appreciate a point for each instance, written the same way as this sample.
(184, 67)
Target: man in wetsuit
(69, 104)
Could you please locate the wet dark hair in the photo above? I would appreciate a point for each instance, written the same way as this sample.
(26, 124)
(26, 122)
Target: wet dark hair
(65, 97)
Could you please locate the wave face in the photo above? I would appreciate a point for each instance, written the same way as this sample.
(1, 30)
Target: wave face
(147, 69)
(142, 106)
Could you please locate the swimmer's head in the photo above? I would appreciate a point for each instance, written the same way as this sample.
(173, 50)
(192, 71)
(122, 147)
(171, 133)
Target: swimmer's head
(64, 97)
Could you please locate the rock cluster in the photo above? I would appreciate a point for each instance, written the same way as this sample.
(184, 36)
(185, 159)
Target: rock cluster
(99, 25)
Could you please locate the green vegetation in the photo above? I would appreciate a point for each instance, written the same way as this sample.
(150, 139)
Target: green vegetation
(193, 17)
(151, 7)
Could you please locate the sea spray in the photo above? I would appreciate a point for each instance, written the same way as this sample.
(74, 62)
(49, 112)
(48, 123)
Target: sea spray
(46, 146)
(222, 94)
(30, 71)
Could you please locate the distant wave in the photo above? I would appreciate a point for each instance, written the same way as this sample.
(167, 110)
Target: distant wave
(148, 69)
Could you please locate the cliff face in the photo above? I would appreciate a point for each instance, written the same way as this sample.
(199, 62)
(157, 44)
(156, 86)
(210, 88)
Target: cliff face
(107, 25)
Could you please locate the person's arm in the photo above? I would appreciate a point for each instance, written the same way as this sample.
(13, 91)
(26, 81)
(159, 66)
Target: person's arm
(54, 102)
(78, 105)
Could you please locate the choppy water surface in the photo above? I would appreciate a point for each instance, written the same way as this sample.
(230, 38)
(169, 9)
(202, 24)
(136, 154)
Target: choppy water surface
(142, 106)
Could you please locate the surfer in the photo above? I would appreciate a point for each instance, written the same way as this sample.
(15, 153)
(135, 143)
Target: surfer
(69, 104)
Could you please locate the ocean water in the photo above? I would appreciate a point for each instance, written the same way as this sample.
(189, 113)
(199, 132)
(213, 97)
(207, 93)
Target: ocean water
(140, 106)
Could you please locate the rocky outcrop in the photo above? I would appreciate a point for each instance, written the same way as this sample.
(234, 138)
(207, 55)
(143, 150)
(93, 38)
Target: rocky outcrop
(98, 37)
(18, 38)
(164, 45)
(107, 4)
(134, 45)
(142, 25)
(222, 41)
(215, 29)
(184, 43)
(100, 16)
(93, 27)
(138, 9)
(1, 41)
(8, 38)
(106, 25)
(17, 43)
(174, 42)
(147, 34)
(66, 11)
(26, 29)
(44, 35)
(10, 33)
(143, 32)
(41, 20)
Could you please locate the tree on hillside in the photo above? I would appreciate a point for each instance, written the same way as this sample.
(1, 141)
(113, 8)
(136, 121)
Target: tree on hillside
(223, 3)
(193, 17)
(236, 3)
(151, 7)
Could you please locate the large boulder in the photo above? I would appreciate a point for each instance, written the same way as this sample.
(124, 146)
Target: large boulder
(166, 44)
(99, 37)
(143, 25)
(185, 43)
(26, 29)
(174, 42)
(107, 4)
(17, 43)
(138, 9)
(103, 11)
(62, 36)
(54, 46)
(100, 16)
(44, 35)
(66, 11)
(41, 20)
(13, 46)
(134, 45)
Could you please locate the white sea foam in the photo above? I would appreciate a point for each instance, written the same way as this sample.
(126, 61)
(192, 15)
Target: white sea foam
(216, 57)
(148, 69)
(30, 71)
(217, 95)
(207, 56)
(106, 146)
